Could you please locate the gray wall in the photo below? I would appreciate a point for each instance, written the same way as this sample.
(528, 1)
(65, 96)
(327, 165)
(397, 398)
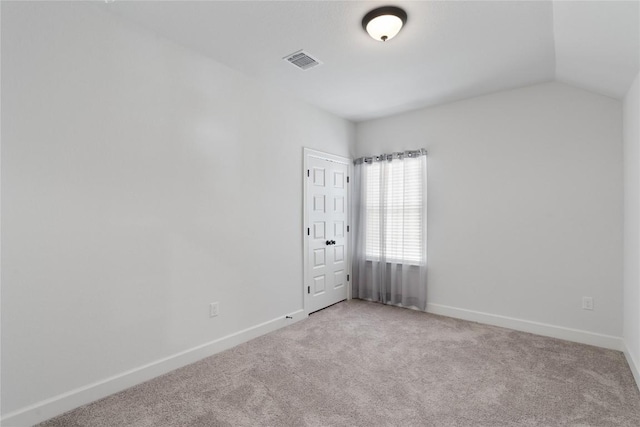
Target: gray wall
(140, 182)
(525, 203)
(631, 226)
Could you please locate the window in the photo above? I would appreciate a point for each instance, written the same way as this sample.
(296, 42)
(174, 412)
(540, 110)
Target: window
(394, 210)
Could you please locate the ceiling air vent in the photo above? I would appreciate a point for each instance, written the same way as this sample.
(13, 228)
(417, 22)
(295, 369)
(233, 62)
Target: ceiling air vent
(302, 60)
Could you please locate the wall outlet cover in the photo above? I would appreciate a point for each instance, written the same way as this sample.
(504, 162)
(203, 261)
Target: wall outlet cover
(213, 309)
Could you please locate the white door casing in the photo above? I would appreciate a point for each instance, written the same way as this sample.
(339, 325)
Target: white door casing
(326, 221)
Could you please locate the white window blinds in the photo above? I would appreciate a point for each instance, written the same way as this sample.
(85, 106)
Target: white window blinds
(394, 210)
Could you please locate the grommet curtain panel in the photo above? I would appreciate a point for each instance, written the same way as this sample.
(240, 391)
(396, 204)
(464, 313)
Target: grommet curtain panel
(390, 251)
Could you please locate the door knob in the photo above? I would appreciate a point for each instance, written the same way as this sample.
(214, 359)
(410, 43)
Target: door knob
(328, 242)
(333, 242)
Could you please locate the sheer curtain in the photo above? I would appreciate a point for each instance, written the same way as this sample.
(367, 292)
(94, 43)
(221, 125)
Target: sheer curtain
(390, 251)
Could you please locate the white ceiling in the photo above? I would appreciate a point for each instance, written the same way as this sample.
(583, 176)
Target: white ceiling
(597, 44)
(447, 51)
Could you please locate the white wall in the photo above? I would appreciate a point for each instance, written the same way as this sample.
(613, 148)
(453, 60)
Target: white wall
(631, 227)
(525, 207)
(140, 182)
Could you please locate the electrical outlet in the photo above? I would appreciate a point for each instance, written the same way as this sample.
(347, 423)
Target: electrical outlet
(587, 303)
(213, 309)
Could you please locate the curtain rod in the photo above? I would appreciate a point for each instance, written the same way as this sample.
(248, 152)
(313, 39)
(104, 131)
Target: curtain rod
(394, 155)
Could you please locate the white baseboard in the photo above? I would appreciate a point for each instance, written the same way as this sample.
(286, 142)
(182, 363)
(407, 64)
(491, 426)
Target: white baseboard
(62, 403)
(634, 364)
(569, 334)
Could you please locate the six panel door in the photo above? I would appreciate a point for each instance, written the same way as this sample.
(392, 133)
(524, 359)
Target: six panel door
(327, 233)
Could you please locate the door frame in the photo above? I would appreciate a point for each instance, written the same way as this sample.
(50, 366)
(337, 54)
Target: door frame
(308, 153)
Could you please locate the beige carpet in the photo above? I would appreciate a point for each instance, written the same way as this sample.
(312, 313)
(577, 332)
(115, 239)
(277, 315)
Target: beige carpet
(366, 364)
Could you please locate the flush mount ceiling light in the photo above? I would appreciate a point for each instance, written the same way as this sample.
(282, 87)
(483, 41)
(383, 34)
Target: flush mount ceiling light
(384, 22)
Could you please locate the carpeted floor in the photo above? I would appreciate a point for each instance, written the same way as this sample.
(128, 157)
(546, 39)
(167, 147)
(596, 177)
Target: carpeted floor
(365, 364)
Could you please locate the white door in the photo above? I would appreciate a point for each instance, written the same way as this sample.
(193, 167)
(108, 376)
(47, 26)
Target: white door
(326, 238)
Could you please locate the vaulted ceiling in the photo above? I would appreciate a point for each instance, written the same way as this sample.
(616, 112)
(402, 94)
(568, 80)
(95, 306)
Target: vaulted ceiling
(447, 51)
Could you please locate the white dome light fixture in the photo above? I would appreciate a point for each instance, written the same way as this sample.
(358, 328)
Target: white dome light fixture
(384, 22)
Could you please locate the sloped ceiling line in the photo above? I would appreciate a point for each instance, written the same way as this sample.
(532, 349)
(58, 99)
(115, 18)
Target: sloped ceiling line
(447, 51)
